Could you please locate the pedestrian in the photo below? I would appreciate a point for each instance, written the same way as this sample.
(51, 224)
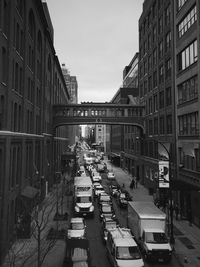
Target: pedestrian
(136, 182)
(132, 184)
(176, 211)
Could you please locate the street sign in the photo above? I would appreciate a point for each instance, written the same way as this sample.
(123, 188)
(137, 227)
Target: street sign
(163, 174)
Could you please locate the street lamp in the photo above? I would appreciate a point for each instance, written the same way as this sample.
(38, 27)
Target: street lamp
(172, 240)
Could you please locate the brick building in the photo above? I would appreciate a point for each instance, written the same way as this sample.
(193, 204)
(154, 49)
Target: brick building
(31, 81)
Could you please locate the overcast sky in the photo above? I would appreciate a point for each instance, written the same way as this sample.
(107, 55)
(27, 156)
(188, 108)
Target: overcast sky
(96, 39)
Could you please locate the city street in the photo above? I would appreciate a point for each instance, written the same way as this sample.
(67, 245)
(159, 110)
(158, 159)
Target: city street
(94, 230)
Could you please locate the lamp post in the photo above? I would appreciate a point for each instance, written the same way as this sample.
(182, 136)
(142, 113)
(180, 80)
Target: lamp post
(172, 240)
(171, 208)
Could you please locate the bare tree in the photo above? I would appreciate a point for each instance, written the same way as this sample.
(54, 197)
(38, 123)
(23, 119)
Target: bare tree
(32, 251)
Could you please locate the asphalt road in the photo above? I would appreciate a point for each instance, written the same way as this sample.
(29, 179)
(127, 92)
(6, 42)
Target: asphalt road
(97, 247)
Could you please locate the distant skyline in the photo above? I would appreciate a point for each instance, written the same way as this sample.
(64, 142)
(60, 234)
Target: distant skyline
(96, 39)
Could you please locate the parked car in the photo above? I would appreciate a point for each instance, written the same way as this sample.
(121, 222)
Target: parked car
(106, 211)
(110, 176)
(107, 224)
(96, 178)
(98, 189)
(77, 253)
(104, 198)
(77, 228)
(122, 200)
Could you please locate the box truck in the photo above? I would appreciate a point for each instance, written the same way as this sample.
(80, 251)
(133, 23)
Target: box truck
(148, 225)
(83, 196)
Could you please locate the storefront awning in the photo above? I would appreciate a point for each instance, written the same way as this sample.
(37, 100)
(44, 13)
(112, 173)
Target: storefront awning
(29, 192)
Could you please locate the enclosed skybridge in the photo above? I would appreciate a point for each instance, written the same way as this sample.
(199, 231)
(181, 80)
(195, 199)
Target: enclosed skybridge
(98, 113)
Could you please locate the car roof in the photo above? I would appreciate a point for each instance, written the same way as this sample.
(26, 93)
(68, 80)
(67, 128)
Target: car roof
(77, 220)
(106, 205)
(122, 237)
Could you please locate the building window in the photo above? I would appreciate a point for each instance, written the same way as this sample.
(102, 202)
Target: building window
(150, 62)
(5, 25)
(155, 103)
(2, 111)
(31, 25)
(188, 56)
(161, 100)
(16, 76)
(187, 22)
(155, 125)
(154, 34)
(160, 25)
(155, 80)
(149, 41)
(145, 87)
(168, 39)
(20, 7)
(197, 159)
(150, 83)
(168, 68)
(188, 124)
(145, 67)
(150, 127)
(168, 96)
(4, 65)
(169, 124)
(180, 3)
(162, 125)
(154, 57)
(168, 15)
(160, 51)
(188, 90)
(161, 74)
(150, 105)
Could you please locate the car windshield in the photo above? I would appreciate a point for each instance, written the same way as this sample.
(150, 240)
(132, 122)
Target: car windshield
(128, 253)
(77, 226)
(99, 189)
(156, 238)
(106, 209)
(84, 199)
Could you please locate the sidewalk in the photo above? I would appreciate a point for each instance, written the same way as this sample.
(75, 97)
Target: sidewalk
(26, 249)
(187, 238)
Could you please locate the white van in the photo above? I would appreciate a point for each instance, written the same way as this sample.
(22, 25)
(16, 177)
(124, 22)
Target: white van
(122, 249)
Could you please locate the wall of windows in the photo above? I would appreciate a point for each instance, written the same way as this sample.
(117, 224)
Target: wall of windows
(188, 124)
(180, 3)
(187, 22)
(188, 56)
(188, 90)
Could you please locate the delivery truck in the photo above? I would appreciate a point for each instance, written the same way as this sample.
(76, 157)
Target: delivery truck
(148, 225)
(83, 196)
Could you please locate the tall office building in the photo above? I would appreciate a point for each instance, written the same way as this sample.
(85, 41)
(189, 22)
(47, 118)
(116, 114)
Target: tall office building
(72, 87)
(187, 81)
(156, 86)
(168, 85)
(31, 82)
